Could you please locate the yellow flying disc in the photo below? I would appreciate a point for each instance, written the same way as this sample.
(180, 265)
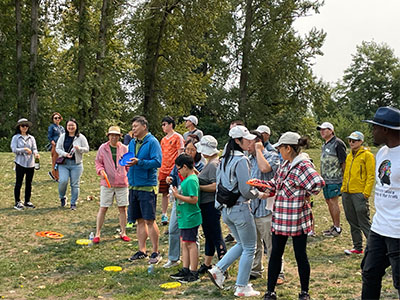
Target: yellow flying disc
(170, 285)
(83, 242)
(113, 269)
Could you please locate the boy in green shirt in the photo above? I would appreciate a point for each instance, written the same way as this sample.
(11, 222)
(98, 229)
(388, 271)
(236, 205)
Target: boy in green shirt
(189, 218)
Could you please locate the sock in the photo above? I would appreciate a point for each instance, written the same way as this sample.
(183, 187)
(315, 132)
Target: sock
(338, 229)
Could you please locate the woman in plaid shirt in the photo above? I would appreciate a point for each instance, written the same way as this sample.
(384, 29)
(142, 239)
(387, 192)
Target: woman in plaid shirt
(295, 181)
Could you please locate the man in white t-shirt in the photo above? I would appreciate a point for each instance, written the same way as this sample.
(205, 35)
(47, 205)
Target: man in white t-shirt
(383, 245)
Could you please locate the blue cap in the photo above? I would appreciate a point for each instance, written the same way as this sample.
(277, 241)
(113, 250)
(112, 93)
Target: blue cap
(356, 135)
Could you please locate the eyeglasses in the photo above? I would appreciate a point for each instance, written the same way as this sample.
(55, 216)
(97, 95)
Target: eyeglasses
(164, 124)
(23, 125)
(180, 168)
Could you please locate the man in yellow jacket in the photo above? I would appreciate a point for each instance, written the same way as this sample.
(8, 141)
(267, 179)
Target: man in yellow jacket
(358, 181)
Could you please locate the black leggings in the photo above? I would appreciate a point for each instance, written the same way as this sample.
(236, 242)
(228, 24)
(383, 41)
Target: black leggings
(20, 173)
(212, 230)
(275, 260)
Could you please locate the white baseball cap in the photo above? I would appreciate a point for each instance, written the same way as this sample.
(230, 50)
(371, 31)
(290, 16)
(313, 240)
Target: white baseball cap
(288, 138)
(263, 129)
(207, 145)
(241, 132)
(325, 125)
(192, 119)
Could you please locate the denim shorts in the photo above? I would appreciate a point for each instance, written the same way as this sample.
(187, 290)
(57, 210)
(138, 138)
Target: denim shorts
(332, 190)
(142, 205)
(189, 234)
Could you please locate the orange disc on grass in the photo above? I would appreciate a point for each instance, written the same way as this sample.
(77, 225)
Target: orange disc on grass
(54, 235)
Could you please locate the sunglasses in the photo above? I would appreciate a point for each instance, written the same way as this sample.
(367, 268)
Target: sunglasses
(24, 125)
(57, 118)
(353, 141)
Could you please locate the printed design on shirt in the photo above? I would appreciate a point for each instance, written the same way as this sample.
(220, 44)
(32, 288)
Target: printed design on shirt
(384, 172)
(330, 167)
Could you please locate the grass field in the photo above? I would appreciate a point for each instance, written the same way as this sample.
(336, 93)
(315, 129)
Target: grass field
(33, 267)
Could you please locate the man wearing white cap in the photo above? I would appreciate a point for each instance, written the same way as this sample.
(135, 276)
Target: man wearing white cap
(265, 133)
(333, 158)
(191, 123)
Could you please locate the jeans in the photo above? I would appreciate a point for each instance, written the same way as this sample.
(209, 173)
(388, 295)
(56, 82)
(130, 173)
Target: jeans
(356, 209)
(20, 172)
(381, 252)
(241, 223)
(72, 171)
(275, 260)
(212, 230)
(174, 243)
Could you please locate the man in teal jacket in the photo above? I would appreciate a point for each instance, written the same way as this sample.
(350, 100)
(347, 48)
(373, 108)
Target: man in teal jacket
(142, 177)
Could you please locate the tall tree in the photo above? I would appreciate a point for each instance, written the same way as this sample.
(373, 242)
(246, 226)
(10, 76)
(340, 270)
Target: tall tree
(33, 96)
(18, 34)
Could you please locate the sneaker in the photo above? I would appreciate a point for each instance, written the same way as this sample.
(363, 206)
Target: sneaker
(164, 220)
(328, 232)
(96, 240)
(63, 201)
(181, 274)
(155, 258)
(304, 296)
(170, 264)
(217, 277)
(353, 251)
(138, 255)
(229, 238)
(52, 176)
(129, 225)
(190, 277)
(311, 233)
(334, 232)
(19, 206)
(29, 204)
(281, 279)
(270, 295)
(125, 238)
(203, 269)
(246, 291)
(73, 207)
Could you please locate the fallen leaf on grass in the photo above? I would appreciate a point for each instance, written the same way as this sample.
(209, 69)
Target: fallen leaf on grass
(89, 198)
(42, 287)
(25, 251)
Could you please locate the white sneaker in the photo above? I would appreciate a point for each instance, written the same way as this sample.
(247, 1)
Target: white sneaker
(217, 277)
(246, 291)
(170, 264)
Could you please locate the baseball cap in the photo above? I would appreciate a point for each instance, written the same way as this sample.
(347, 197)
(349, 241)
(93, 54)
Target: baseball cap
(356, 135)
(241, 132)
(288, 138)
(325, 125)
(263, 129)
(207, 145)
(192, 119)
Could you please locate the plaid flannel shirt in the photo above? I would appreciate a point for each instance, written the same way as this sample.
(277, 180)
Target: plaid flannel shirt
(292, 214)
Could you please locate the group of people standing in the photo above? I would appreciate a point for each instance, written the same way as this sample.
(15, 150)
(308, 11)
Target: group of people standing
(203, 187)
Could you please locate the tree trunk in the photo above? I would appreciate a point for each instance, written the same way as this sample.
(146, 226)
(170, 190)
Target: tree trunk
(246, 51)
(20, 110)
(82, 44)
(153, 40)
(100, 55)
(33, 62)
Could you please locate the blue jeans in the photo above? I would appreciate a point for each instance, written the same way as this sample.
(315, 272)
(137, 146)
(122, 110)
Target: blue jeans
(72, 171)
(174, 249)
(241, 223)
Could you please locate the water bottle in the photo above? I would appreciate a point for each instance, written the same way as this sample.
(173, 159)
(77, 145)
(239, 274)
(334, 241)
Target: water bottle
(150, 269)
(171, 194)
(37, 163)
(91, 237)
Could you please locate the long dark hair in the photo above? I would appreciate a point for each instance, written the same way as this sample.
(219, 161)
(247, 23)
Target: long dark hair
(230, 147)
(302, 143)
(18, 130)
(77, 126)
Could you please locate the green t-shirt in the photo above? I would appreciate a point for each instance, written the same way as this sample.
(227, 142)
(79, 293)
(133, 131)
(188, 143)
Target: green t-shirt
(189, 215)
(114, 154)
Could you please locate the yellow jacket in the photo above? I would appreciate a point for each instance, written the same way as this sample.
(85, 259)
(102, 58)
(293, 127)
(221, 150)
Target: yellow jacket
(359, 174)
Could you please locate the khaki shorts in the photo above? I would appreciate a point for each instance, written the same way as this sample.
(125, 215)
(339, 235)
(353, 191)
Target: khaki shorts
(107, 196)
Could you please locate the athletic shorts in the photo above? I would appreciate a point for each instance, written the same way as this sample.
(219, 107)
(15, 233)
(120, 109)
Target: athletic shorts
(107, 196)
(163, 187)
(189, 234)
(142, 205)
(332, 190)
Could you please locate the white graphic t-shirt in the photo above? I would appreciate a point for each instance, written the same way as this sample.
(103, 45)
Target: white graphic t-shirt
(386, 220)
